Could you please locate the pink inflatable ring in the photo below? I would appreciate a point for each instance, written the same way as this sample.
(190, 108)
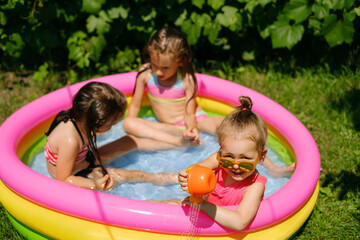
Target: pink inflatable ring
(47, 207)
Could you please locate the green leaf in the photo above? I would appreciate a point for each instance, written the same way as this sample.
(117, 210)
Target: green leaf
(285, 35)
(201, 20)
(228, 17)
(250, 5)
(216, 4)
(77, 46)
(248, 56)
(92, 6)
(341, 4)
(357, 11)
(265, 32)
(150, 16)
(99, 24)
(198, 3)
(3, 19)
(76, 38)
(42, 73)
(193, 31)
(115, 13)
(84, 62)
(212, 31)
(14, 45)
(12, 4)
(97, 45)
(181, 18)
(320, 11)
(147, 13)
(337, 31)
(315, 25)
(103, 15)
(297, 10)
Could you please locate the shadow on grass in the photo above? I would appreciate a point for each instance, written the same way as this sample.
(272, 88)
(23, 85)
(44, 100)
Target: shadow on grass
(350, 102)
(347, 182)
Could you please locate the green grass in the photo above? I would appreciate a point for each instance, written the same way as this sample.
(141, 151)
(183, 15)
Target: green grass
(327, 103)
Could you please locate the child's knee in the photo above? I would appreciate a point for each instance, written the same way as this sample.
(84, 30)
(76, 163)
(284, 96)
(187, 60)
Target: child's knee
(128, 124)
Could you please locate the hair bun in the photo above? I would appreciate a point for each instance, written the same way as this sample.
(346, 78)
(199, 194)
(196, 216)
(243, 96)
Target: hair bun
(245, 103)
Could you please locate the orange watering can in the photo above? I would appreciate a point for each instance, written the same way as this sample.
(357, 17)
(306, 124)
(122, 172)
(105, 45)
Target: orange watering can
(201, 181)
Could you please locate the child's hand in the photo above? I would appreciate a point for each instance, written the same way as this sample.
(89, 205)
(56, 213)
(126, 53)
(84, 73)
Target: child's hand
(192, 135)
(104, 183)
(183, 180)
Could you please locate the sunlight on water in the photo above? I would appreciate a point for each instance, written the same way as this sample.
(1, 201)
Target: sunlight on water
(171, 160)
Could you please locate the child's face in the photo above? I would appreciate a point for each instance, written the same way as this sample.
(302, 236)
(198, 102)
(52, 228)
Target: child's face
(164, 66)
(238, 149)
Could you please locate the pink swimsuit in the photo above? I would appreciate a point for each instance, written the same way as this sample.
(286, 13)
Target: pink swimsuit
(232, 194)
(158, 93)
(173, 94)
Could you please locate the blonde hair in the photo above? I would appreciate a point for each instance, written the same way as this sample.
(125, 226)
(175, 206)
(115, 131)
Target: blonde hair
(244, 122)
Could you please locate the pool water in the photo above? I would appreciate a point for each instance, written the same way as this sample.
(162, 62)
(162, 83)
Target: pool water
(171, 160)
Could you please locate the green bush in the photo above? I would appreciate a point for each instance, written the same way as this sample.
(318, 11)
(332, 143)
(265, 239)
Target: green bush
(107, 36)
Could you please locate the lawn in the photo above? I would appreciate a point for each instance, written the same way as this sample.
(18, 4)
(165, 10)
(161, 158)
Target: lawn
(326, 102)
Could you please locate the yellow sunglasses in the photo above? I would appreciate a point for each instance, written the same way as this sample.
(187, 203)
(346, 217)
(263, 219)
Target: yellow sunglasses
(243, 164)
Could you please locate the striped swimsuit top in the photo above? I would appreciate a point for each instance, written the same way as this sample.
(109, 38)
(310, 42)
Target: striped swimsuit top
(158, 93)
(52, 157)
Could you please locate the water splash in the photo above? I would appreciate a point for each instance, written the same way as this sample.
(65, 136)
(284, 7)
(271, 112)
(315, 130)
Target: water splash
(193, 230)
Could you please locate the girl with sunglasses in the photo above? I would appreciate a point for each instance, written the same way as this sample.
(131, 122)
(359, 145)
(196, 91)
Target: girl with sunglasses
(242, 137)
(71, 152)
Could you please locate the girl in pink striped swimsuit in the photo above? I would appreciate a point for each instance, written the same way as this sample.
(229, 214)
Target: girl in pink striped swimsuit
(71, 152)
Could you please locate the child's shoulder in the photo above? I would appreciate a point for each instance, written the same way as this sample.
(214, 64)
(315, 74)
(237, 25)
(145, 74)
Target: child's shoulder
(145, 72)
(67, 130)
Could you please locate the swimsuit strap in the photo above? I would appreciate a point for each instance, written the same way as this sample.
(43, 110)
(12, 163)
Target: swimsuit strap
(61, 117)
(77, 129)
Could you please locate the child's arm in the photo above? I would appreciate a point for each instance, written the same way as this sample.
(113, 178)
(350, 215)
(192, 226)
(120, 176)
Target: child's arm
(190, 109)
(209, 162)
(241, 217)
(65, 164)
(135, 104)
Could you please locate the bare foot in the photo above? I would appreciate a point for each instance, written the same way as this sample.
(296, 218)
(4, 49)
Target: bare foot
(282, 171)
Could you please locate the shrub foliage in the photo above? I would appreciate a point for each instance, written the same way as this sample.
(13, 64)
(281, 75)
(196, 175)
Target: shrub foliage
(108, 35)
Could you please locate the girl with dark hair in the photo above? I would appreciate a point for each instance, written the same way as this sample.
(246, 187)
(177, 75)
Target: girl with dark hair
(71, 151)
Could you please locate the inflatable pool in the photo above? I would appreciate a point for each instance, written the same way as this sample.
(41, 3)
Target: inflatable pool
(40, 207)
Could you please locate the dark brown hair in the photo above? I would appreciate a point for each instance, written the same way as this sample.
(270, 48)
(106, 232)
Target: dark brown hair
(96, 104)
